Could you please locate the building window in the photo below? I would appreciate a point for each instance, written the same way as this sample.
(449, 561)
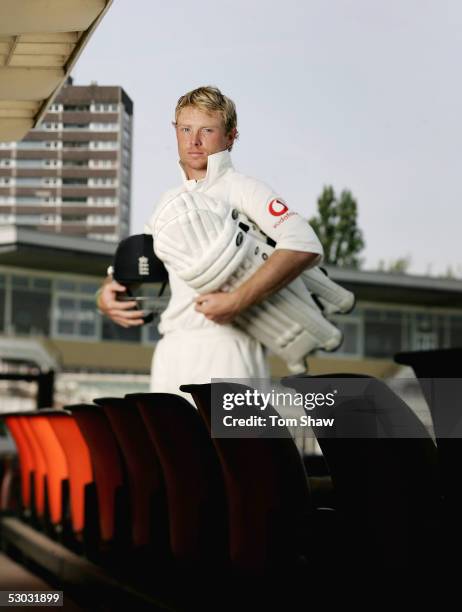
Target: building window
(28, 200)
(30, 305)
(49, 126)
(50, 219)
(32, 144)
(76, 107)
(28, 219)
(71, 144)
(75, 313)
(75, 317)
(102, 182)
(28, 181)
(104, 127)
(455, 331)
(102, 220)
(104, 144)
(74, 200)
(76, 126)
(351, 336)
(65, 285)
(74, 181)
(102, 163)
(105, 108)
(74, 162)
(382, 333)
(73, 218)
(425, 332)
(36, 163)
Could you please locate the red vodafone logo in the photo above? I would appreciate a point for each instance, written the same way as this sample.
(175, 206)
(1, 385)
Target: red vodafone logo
(277, 208)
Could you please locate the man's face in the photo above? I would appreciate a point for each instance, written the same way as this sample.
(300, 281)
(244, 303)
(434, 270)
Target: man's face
(200, 134)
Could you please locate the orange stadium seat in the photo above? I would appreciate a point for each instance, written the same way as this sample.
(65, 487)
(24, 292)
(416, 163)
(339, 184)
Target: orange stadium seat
(78, 463)
(40, 467)
(55, 463)
(108, 471)
(26, 460)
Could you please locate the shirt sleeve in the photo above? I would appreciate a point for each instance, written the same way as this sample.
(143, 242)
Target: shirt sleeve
(273, 216)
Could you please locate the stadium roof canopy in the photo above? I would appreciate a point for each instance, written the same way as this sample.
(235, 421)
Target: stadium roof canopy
(26, 248)
(40, 41)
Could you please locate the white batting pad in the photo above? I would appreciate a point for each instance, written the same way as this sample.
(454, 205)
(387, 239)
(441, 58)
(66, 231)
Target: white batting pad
(201, 240)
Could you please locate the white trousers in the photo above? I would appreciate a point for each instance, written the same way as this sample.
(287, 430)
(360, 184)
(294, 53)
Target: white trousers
(197, 356)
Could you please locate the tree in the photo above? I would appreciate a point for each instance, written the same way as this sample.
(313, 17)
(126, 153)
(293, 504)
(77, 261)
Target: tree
(396, 266)
(337, 228)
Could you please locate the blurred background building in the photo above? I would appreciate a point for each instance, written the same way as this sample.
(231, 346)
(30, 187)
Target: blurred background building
(71, 174)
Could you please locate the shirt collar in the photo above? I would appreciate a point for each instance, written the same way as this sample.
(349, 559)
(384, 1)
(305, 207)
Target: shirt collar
(217, 164)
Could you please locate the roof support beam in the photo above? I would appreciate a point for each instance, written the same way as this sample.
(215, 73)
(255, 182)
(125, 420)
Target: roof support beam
(12, 48)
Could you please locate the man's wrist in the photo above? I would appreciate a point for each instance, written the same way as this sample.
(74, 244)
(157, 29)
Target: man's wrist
(242, 298)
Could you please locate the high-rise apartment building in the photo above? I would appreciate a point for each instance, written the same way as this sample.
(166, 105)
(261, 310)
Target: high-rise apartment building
(72, 174)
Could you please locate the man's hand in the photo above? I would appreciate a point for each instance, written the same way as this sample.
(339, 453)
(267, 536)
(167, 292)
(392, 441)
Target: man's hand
(218, 307)
(121, 313)
(279, 270)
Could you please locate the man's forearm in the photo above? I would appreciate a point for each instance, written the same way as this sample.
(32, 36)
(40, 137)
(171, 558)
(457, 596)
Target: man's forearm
(282, 267)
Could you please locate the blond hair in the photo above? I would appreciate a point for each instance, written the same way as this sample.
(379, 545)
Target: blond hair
(210, 99)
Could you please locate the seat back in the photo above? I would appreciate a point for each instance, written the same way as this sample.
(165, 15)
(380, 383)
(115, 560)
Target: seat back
(440, 377)
(106, 461)
(40, 468)
(384, 468)
(78, 462)
(429, 366)
(145, 480)
(267, 489)
(26, 461)
(195, 497)
(55, 462)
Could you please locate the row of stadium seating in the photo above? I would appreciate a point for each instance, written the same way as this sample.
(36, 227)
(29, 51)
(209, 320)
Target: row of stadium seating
(140, 478)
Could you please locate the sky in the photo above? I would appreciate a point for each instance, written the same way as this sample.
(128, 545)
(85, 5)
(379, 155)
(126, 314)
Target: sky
(358, 94)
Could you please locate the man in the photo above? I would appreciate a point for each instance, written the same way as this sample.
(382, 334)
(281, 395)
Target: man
(199, 341)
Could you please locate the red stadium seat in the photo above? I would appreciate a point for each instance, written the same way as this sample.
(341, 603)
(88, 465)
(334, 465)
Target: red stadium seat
(197, 511)
(268, 493)
(145, 479)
